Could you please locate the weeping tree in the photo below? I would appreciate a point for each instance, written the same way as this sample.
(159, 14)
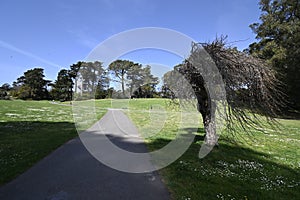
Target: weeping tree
(250, 88)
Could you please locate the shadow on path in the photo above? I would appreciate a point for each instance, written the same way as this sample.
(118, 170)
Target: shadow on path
(70, 172)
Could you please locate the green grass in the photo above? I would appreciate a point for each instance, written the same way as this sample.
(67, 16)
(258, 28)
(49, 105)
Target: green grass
(88, 112)
(257, 166)
(260, 166)
(30, 130)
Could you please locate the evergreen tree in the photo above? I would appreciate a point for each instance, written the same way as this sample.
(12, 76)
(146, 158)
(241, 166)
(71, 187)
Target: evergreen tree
(62, 88)
(32, 85)
(278, 36)
(102, 89)
(119, 70)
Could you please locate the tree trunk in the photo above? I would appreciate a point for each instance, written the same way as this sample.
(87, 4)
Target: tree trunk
(123, 88)
(207, 108)
(209, 122)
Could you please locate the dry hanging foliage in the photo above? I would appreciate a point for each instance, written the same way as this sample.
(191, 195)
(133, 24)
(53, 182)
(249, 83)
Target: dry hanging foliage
(250, 85)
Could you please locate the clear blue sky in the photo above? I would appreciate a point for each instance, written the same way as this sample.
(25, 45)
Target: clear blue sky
(55, 34)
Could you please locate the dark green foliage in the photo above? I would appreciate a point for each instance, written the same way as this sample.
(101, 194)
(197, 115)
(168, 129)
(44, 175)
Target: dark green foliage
(139, 80)
(119, 70)
(6, 87)
(73, 74)
(142, 82)
(278, 36)
(166, 92)
(91, 80)
(31, 85)
(102, 89)
(145, 91)
(4, 91)
(63, 87)
(3, 94)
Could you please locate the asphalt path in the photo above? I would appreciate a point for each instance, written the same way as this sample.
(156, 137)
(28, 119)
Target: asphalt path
(71, 172)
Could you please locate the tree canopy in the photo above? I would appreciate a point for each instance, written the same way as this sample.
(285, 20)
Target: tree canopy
(139, 80)
(119, 69)
(63, 86)
(31, 85)
(91, 80)
(4, 91)
(278, 36)
(85, 80)
(249, 82)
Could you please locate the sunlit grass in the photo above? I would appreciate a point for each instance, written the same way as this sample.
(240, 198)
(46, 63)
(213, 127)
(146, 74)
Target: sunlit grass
(244, 166)
(256, 166)
(29, 130)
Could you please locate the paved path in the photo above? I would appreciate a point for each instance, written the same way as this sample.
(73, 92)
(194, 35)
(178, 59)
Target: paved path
(72, 173)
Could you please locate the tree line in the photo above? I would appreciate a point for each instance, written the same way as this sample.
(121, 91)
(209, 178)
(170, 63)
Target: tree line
(278, 35)
(86, 80)
(278, 44)
(264, 78)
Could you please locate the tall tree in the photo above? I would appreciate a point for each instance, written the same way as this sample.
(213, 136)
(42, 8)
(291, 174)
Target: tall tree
(149, 83)
(170, 82)
(238, 71)
(62, 87)
(91, 73)
(142, 83)
(148, 77)
(135, 77)
(119, 69)
(6, 87)
(89, 77)
(102, 88)
(32, 85)
(74, 69)
(166, 92)
(278, 36)
(4, 91)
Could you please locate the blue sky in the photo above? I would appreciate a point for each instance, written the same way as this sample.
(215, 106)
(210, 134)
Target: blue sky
(55, 34)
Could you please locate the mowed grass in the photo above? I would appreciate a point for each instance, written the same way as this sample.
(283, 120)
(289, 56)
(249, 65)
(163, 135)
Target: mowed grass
(260, 166)
(257, 166)
(30, 130)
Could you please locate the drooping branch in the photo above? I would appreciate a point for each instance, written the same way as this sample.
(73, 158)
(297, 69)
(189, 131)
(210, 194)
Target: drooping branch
(252, 89)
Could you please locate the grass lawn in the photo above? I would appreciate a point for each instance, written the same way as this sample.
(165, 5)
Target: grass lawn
(261, 166)
(30, 130)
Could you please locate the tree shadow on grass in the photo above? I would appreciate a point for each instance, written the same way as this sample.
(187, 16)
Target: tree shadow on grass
(198, 133)
(23, 143)
(230, 171)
